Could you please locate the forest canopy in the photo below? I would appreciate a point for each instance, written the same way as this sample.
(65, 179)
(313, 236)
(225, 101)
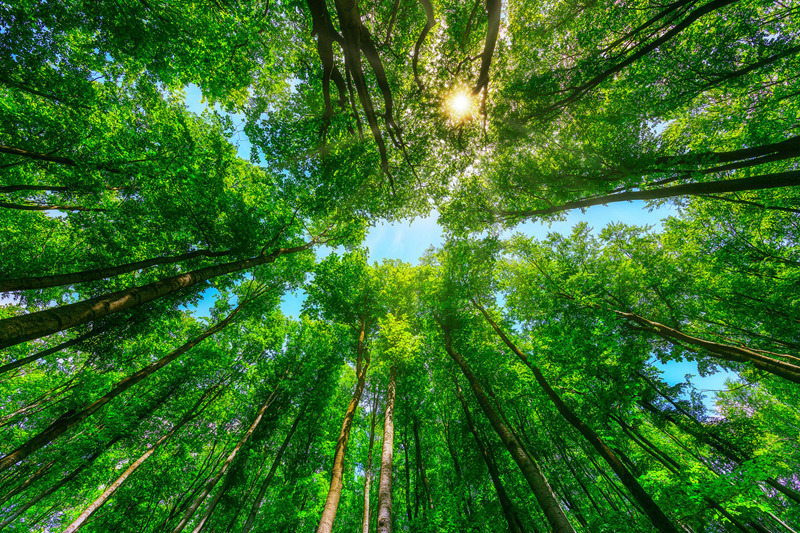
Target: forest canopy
(502, 382)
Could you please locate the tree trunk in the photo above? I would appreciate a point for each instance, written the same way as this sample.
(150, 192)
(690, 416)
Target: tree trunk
(63, 346)
(274, 468)
(753, 183)
(56, 486)
(725, 352)
(421, 464)
(43, 282)
(657, 517)
(384, 511)
(408, 476)
(514, 525)
(209, 486)
(59, 427)
(337, 472)
(664, 37)
(527, 465)
(111, 490)
(23, 328)
(368, 470)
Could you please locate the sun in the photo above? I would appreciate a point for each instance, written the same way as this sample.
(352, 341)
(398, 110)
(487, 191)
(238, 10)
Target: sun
(460, 106)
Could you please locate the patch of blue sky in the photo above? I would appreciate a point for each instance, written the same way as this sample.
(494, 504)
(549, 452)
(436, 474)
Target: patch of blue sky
(675, 372)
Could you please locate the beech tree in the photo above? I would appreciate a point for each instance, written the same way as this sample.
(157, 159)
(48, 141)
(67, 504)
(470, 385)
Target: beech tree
(150, 381)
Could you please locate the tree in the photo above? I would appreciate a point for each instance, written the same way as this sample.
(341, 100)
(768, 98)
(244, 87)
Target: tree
(149, 381)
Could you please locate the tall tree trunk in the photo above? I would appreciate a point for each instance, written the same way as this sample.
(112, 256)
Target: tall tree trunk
(368, 470)
(657, 517)
(527, 465)
(42, 282)
(209, 486)
(408, 476)
(18, 511)
(421, 464)
(59, 427)
(514, 524)
(112, 489)
(725, 352)
(337, 472)
(23, 328)
(63, 346)
(274, 468)
(384, 511)
(725, 449)
(753, 183)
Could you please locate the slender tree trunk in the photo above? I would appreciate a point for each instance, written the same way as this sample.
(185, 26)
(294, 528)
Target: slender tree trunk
(112, 489)
(421, 464)
(753, 183)
(337, 472)
(209, 486)
(384, 511)
(23, 328)
(725, 352)
(59, 427)
(514, 525)
(27, 483)
(63, 346)
(274, 468)
(368, 470)
(527, 465)
(56, 486)
(408, 476)
(657, 517)
(43, 282)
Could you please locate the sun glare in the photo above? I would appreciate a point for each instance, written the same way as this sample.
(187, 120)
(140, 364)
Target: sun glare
(460, 106)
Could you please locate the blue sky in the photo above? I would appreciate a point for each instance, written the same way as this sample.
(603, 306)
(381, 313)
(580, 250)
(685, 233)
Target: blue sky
(407, 240)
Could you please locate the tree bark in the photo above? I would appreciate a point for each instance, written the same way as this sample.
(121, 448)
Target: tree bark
(63, 346)
(753, 183)
(384, 511)
(678, 28)
(59, 427)
(514, 524)
(527, 465)
(657, 517)
(421, 464)
(34, 325)
(726, 352)
(209, 486)
(368, 471)
(337, 472)
(274, 468)
(43, 282)
(112, 489)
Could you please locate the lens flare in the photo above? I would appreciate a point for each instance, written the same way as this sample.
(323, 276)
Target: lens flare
(460, 106)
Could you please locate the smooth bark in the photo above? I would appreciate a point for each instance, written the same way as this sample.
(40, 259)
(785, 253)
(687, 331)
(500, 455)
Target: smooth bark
(368, 471)
(753, 183)
(726, 352)
(527, 464)
(34, 325)
(274, 468)
(657, 517)
(514, 524)
(42, 282)
(112, 489)
(209, 486)
(421, 464)
(337, 472)
(384, 510)
(60, 426)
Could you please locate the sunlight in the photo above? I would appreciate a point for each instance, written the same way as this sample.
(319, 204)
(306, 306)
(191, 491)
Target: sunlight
(460, 106)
